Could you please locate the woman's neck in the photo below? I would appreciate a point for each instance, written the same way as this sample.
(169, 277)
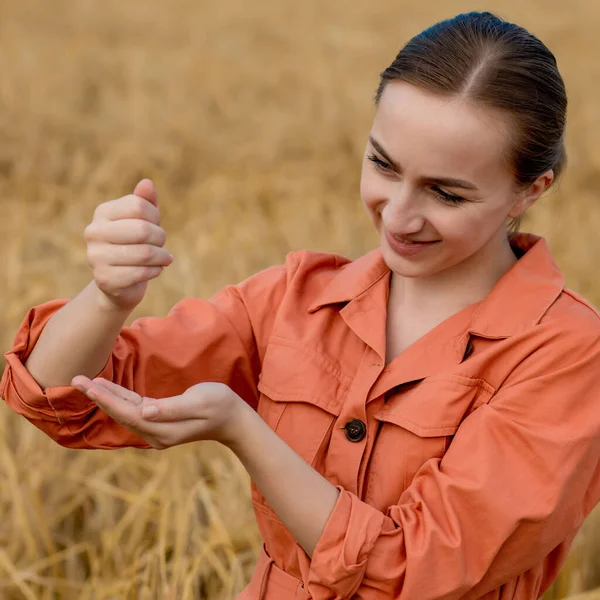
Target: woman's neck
(455, 288)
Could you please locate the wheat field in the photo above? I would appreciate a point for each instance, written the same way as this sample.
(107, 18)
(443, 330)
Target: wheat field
(251, 118)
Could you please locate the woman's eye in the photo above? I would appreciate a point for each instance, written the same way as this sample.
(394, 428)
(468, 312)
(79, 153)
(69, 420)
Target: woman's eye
(446, 197)
(380, 164)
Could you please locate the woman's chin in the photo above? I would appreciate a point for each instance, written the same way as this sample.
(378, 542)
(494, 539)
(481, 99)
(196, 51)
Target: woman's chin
(404, 266)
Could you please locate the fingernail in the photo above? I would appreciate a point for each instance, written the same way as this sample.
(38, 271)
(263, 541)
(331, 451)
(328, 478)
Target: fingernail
(149, 411)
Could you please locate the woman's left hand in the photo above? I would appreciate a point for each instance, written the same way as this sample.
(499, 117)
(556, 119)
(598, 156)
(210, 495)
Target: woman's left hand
(206, 411)
(301, 497)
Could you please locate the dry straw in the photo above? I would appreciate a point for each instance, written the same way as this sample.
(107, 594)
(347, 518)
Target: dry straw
(251, 118)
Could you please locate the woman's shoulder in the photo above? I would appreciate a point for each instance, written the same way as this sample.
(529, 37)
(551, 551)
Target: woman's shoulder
(571, 311)
(539, 285)
(569, 331)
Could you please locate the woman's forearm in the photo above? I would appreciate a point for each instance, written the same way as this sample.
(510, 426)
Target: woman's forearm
(77, 340)
(300, 496)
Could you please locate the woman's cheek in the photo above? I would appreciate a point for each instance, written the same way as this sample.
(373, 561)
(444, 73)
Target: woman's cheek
(458, 227)
(371, 200)
(366, 187)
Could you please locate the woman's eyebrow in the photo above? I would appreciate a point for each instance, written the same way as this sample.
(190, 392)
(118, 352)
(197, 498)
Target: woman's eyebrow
(445, 181)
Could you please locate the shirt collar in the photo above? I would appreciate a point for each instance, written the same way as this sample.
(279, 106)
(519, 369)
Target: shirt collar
(518, 301)
(352, 280)
(523, 294)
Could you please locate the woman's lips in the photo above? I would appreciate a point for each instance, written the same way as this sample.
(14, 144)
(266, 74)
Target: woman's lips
(406, 248)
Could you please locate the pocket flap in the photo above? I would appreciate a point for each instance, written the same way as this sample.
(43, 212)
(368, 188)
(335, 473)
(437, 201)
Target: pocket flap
(435, 406)
(294, 373)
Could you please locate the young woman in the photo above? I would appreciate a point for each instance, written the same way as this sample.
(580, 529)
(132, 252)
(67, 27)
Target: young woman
(421, 423)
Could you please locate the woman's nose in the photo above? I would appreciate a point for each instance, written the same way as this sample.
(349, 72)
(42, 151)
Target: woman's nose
(402, 213)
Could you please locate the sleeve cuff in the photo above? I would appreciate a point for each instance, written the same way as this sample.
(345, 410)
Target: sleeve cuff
(22, 392)
(339, 560)
(24, 395)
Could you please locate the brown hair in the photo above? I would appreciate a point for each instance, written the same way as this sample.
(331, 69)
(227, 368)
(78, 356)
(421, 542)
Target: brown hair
(485, 59)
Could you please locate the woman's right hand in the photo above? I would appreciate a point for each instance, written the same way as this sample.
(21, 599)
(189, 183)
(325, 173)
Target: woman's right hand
(125, 247)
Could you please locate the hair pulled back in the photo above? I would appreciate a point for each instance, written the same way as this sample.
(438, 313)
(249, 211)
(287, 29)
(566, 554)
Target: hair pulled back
(483, 59)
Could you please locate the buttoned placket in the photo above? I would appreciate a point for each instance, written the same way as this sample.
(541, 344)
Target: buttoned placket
(345, 456)
(366, 316)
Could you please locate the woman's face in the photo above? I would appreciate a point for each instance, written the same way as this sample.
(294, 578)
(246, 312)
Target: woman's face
(435, 181)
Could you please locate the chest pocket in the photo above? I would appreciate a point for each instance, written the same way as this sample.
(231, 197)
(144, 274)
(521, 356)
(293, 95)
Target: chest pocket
(301, 394)
(419, 422)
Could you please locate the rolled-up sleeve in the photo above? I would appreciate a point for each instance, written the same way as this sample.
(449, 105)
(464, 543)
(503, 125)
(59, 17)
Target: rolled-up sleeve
(519, 478)
(198, 340)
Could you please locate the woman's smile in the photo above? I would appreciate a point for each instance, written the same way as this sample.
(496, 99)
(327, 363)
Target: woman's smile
(406, 247)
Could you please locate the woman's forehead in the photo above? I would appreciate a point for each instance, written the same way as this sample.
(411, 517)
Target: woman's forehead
(421, 131)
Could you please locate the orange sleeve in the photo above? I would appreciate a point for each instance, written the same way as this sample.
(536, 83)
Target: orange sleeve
(221, 339)
(519, 478)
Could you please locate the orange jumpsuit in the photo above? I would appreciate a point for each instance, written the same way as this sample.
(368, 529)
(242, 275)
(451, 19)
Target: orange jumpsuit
(466, 466)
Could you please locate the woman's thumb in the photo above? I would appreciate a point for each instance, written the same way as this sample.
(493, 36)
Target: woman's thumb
(145, 189)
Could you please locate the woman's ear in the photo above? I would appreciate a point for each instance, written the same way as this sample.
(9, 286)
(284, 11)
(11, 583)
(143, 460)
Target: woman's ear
(530, 194)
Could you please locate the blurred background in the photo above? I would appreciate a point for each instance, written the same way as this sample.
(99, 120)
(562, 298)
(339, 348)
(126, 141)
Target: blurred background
(251, 118)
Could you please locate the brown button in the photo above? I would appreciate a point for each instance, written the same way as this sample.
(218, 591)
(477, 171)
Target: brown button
(355, 430)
